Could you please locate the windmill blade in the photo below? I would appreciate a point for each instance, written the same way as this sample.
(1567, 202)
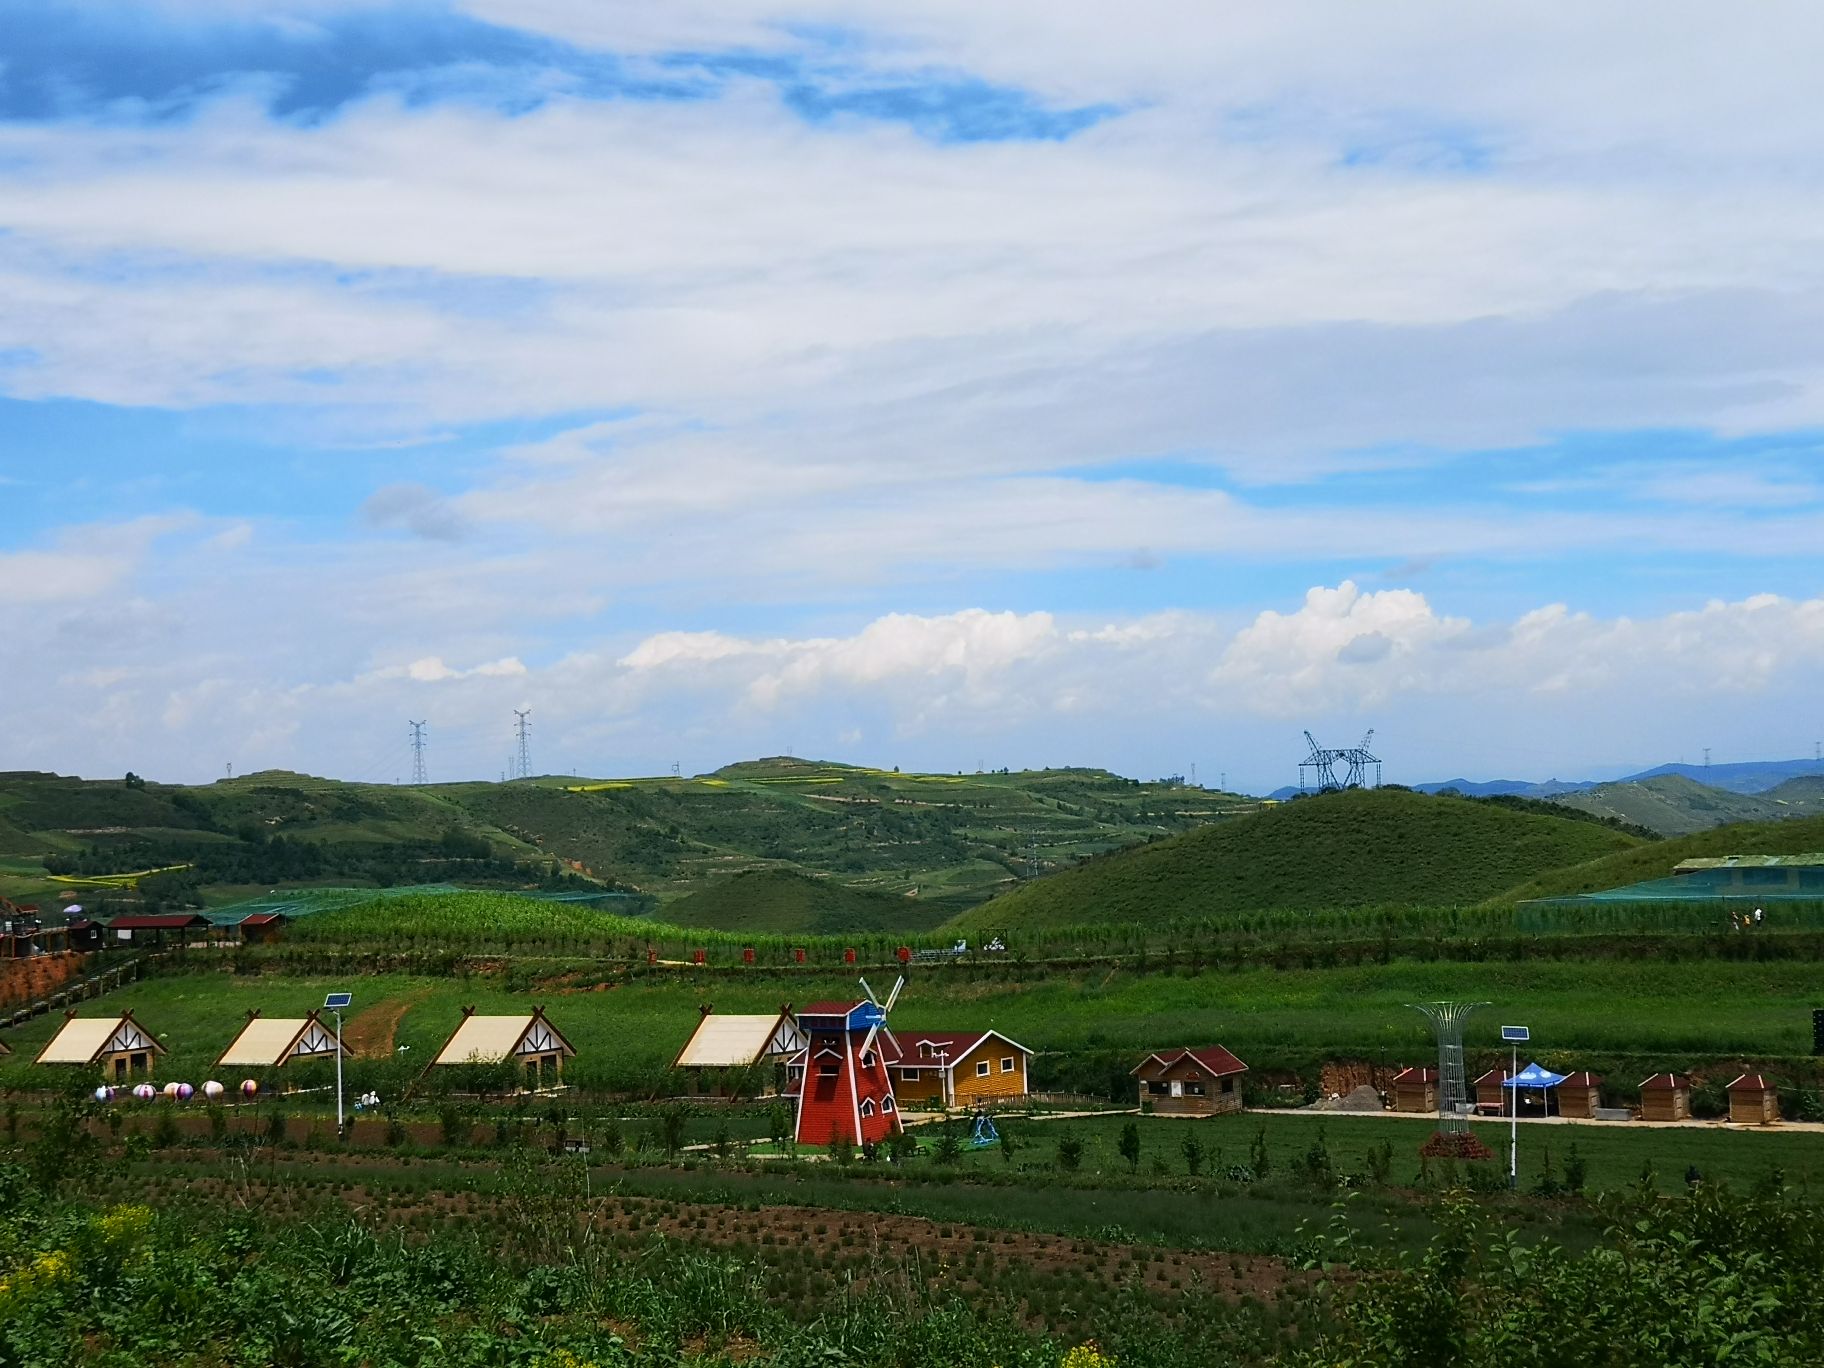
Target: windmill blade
(873, 1031)
(887, 1031)
(870, 992)
(893, 996)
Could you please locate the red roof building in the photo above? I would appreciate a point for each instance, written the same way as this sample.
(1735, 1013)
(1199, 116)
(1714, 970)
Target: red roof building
(1187, 1082)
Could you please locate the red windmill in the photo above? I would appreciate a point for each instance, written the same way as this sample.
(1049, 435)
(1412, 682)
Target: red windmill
(844, 1093)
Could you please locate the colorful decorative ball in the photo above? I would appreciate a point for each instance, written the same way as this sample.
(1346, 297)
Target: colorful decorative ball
(249, 1087)
(145, 1092)
(185, 1092)
(104, 1094)
(213, 1090)
(170, 1091)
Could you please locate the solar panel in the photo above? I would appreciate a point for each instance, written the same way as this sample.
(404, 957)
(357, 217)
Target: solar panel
(336, 1001)
(1515, 1033)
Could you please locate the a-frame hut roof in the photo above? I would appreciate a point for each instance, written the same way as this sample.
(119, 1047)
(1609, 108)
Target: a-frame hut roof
(490, 1039)
(5, 1049)
(83, 1040)
(267, 1042)
(729, 1040)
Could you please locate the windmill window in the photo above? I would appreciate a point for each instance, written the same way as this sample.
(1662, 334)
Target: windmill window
(1006, 1063)
(982, 1069)
(867, 1107)
(826, 1071)
(886, 1104)
(868, 1058)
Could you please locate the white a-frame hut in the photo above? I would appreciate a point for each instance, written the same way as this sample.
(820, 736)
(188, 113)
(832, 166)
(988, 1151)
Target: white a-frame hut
(270, 1042)
(119, 1044)
(528, 1039)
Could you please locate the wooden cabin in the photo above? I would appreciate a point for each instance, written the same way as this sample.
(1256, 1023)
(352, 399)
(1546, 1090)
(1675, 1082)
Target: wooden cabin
(261, 928)
(729, 1049)
(1580, 1095)
(272, 1042)
(1753, 1101)
(1665, 1097)
(1186, 1082)
(1415, 1090)
(528, 1039)
(1492, 1092)
(956, 1068)
(118, 1044)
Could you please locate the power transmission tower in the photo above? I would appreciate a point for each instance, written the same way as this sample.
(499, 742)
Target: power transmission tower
(524, 727)
(417, 751)
(1706, 760)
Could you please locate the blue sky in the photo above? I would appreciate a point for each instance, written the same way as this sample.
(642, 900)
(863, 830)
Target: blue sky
(910, 384)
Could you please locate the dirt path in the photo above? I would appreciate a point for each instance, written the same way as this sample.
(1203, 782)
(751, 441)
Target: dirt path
(370, 1032)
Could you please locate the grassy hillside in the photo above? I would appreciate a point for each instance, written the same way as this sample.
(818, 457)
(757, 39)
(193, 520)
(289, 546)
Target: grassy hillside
(782, 902)
(950, 839)
(1338, 850)
(1674, 805)
(1657, 859)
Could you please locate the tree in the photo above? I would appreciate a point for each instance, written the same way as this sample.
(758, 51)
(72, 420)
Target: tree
(1130, 1146)
(1070, 1153)
(1192, 1150)
(671, 1130)
(949, 1143)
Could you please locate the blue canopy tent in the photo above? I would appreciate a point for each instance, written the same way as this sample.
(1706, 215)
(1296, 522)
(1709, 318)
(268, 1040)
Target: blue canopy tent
(1536, 1077)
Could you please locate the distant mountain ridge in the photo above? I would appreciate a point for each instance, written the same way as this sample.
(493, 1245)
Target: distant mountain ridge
(1744, 776)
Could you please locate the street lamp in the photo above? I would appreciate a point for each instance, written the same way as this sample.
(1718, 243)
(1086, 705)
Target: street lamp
(1515, 1036)
(337, 1003)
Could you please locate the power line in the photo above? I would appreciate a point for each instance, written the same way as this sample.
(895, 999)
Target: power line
(524, 727)
(417, 752)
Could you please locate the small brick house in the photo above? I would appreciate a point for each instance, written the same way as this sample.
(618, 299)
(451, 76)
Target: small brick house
(1186, 1082)
(1753, 1101)
(1415, 1090)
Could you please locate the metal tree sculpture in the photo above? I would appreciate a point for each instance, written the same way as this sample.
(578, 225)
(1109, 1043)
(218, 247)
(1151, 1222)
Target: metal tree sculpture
(1452, 1139)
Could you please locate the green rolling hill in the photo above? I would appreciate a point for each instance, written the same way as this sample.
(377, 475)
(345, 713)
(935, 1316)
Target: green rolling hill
(1350, 849)
(785, 902)
(928, 845)
(1657, 860)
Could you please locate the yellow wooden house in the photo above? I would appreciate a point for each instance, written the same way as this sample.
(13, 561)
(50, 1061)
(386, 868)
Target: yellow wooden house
(932, 1069)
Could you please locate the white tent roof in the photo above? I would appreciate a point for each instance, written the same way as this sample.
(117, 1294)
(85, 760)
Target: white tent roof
(484, 1039)
(265, 1041)
(729, 1041)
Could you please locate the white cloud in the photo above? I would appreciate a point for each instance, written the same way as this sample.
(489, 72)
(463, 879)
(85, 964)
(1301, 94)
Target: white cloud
(432, 670)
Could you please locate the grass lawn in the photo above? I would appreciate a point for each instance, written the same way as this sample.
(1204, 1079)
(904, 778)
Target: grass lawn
(1657, 1015)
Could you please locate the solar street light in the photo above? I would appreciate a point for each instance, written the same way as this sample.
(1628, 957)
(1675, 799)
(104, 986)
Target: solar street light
(1515, 1036)
(336, 1002)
